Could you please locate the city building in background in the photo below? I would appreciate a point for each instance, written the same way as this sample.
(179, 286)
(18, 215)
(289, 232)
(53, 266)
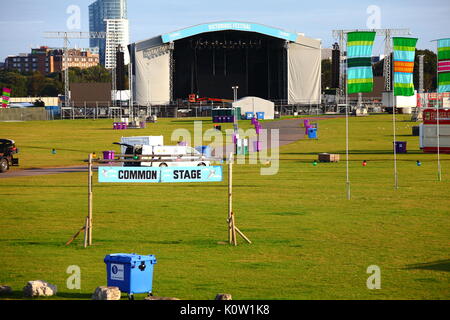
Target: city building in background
(117, 36)
(77, 58)
(48, 60)
(109, 16)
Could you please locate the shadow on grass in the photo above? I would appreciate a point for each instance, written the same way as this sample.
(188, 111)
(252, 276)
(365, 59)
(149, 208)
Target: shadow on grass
(48, 148)
(190, 121)
(287, 213)
(390, 151)
(77, 296)
(18, 295)
(439, 265)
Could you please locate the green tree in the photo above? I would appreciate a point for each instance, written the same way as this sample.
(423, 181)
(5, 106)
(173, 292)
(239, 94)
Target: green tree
(36, 83)
(15, 81)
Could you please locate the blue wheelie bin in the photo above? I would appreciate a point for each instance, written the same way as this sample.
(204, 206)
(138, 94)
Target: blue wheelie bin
(131, 273)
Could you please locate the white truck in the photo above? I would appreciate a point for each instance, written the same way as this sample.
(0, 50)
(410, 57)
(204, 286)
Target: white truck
(154, 153)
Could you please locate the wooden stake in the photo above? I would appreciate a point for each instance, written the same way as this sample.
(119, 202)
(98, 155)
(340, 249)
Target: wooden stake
(242, 235)
(233, 234)
(75, 235)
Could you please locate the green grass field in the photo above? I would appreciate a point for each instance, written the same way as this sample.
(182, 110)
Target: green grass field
(309, 241)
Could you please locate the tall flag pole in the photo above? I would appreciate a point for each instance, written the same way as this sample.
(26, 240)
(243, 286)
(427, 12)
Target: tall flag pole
(359, 77)
(443, 81)
(404, 54)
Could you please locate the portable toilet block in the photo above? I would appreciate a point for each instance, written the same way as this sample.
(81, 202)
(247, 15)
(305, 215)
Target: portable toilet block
(260, 115)
(249, 115)
(131, 273)
(241, 147)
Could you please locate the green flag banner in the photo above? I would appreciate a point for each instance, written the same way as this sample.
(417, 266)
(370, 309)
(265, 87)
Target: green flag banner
(443, 65)
(359, 61)
(404, 53)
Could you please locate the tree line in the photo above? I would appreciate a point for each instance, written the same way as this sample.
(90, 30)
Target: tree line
(38, 85)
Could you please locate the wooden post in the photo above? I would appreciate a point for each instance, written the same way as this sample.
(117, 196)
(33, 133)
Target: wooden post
(86, 231)
(232, 229)
(89, 225)
(230, 198)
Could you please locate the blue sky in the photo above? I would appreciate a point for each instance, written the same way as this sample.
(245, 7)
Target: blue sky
(24, 21)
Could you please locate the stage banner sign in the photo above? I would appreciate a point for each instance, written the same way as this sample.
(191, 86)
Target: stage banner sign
(404, 53)
(359, 61)
(158, 175)
(443, 65)
(222, 26)
(5, 97)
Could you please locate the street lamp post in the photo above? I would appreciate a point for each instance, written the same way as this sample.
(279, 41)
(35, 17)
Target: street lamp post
(235, 89)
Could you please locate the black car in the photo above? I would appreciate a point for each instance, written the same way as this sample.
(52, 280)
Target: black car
(7, 151)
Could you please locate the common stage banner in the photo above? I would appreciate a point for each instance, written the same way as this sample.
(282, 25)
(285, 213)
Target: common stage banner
(404, 53)
(159, 175)
(443, 65)
(359, 61)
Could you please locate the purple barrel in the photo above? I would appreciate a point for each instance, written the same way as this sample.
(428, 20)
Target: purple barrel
(124, 125)
(115, 125)
(216, 119)
(108, 155)
(306, 129)
(254, 121)
(306, 123)
(258, 129)
(400, 146)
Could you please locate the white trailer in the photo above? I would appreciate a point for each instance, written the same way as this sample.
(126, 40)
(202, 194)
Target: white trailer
(172, 156)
